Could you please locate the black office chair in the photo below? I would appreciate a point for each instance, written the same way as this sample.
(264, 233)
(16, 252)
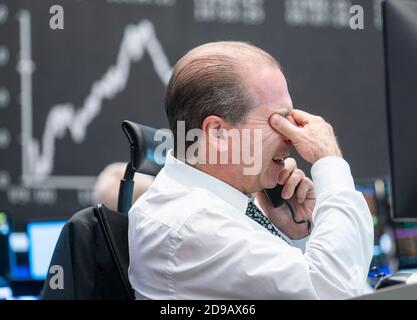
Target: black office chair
(92, 248)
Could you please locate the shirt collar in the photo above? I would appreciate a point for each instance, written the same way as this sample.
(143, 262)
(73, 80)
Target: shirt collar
(193, 178)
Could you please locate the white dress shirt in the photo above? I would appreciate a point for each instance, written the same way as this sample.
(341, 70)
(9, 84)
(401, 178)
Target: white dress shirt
(189, 238)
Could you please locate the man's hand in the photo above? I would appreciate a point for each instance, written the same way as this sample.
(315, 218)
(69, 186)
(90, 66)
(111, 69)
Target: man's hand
(312, 137)
(298, 191)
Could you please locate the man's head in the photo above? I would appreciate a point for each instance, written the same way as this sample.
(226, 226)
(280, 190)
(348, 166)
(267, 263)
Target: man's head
(231, 86)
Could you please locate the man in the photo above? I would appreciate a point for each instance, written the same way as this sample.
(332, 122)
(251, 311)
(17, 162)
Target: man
(197, 234)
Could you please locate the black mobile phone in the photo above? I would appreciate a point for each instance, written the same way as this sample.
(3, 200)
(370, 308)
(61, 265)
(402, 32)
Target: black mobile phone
(274, 195)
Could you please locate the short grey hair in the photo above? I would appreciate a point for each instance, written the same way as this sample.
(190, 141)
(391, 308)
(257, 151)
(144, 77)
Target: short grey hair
(209, 80)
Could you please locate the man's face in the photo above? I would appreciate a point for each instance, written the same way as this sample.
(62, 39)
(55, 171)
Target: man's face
(270, 88)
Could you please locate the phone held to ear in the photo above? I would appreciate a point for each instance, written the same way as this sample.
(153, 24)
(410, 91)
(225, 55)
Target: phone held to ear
(274, 195)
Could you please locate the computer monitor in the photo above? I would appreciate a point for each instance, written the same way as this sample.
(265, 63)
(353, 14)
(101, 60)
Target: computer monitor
(43, 237)
(406, 240)
(400, 42)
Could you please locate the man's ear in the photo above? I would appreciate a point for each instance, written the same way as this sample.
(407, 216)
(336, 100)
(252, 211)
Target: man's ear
(215, 132)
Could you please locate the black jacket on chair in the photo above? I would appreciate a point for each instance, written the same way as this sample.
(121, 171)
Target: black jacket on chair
(92, 250)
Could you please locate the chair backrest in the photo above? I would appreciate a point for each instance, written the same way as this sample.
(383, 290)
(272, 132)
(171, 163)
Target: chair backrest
(145, 157)
(114, 226)
(143, 143)
(92, 252)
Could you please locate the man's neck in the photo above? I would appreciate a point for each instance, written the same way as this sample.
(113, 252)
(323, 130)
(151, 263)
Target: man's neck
(227, 174)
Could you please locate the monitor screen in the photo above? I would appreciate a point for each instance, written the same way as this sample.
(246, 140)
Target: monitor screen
(43, 237)
(400, 39)
(406, 238)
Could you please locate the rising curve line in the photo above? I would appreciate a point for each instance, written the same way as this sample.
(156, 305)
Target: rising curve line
(37, 162)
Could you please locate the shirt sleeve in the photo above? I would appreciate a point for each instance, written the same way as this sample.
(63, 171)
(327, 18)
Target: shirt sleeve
(340, 247)
(230, 260)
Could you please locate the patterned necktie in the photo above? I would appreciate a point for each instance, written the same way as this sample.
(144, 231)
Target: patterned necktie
(254, 213)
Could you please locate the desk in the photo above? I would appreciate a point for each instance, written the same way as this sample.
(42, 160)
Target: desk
(400, 292)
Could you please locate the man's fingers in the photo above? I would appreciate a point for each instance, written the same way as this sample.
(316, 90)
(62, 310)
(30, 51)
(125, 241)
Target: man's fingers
(301, 117)
(283, 126)
(292, 183)
(303, 188)
(290, 166)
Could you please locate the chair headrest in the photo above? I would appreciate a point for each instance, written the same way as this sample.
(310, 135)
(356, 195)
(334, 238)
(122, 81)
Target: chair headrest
(142, 141)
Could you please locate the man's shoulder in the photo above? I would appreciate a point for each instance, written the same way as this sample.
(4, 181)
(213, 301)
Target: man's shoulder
(174, 208)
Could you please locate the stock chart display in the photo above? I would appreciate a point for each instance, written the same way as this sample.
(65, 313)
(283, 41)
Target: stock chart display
(65, 91)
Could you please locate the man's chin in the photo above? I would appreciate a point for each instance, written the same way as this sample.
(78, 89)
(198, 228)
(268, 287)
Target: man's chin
(270, 184)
